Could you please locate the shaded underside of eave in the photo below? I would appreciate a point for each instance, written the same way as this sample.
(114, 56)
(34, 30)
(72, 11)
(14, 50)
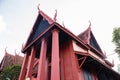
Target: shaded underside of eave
(97, 63)
(106, 67)
(62, 30)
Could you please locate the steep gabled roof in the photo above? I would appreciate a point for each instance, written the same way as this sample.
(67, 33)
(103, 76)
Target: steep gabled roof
(88, 37)
(48, 30)
(9, 60)
(42, 22)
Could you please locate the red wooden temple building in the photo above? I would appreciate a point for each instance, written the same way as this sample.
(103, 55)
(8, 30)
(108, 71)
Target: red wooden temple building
(52, 52)
(10, 60)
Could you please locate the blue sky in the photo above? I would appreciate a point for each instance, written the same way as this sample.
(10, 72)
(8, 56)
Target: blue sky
(18, 16)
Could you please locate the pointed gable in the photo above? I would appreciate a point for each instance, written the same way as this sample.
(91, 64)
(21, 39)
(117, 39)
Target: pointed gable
(84, 36)
(94, 43)
(42, 22)
(88, 37)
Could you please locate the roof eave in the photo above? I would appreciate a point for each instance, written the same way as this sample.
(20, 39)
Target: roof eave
(98, 53)
(72, 35)
(61, 28)
(108, 67)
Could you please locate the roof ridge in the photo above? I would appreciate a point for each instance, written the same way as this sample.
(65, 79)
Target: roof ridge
(45, 16)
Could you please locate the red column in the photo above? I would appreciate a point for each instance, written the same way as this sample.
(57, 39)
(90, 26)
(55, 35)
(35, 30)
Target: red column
(55, 70)
(42, 60)
(69, 67)
(81, 74)
(24, 67)
(30, 64)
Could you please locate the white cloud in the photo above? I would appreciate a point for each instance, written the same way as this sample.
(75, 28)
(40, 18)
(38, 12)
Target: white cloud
(2, 24)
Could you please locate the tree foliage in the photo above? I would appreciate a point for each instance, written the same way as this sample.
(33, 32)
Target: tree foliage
(10, 73)
(116, 40)
(118, 68)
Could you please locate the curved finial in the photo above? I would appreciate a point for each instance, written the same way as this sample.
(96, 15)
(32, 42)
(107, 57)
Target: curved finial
(104, 53)
(38, 7)
(113, 62)
(89, 24)
(18, 53)
(55, 15)
(6, 50)
(15, 52)
(22, 45)
(63, 24)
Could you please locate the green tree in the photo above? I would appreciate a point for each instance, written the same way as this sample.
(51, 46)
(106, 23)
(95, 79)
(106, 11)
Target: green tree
(10, 73)
(118, 67)
(116, 40)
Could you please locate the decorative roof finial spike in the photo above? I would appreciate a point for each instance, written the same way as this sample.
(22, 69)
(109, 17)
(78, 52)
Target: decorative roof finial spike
(89, 24)
(18, 53)
(38, 7)
(55, 15)
(63, 24)
(113, 62)
(6, 50)
(15, 52)
(22, 45)
(104, 53)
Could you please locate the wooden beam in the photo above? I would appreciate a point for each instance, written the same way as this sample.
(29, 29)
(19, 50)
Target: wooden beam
(82, 62)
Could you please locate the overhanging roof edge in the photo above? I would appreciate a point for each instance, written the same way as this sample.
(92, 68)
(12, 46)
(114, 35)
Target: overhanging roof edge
(104, 65)
(61, 28)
